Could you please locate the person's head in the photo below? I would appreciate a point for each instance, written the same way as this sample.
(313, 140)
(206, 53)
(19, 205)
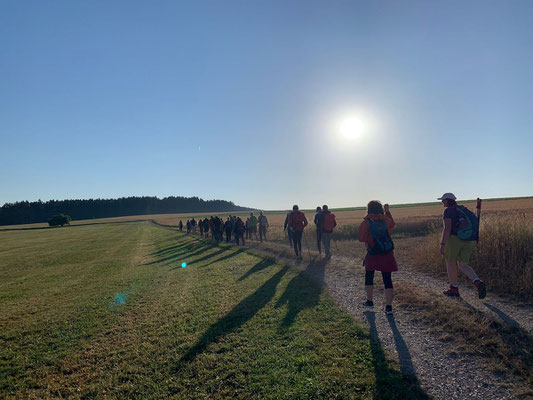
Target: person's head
(260, 212)
(324, 208)
(448, 199)
(374, 207)
(295, 208)
(251, 214)
(318, 209)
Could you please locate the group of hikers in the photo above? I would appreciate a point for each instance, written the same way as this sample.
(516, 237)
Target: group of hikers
(461, 229)
(233, 228)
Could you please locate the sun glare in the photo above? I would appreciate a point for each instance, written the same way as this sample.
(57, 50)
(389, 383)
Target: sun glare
(352, 127)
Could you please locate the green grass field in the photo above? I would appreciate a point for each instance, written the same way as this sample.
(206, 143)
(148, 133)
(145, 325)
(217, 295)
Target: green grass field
(107, 311)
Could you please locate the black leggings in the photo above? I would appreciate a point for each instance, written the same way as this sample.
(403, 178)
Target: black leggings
(387, 279)
(297, 241)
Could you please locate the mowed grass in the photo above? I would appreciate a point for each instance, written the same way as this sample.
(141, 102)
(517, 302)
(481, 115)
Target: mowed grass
(106, 311)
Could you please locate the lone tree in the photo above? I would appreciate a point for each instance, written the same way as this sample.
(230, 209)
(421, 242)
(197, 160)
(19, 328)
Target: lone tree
(59, 220)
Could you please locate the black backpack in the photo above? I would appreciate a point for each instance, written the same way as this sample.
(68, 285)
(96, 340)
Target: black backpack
(382, 241)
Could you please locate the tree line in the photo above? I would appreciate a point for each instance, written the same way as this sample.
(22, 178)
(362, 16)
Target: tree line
(25, 212)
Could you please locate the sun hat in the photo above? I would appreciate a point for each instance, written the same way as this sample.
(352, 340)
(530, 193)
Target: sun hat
(445, 196)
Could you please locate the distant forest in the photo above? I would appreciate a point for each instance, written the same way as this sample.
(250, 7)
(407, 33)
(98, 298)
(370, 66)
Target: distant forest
(25, 212)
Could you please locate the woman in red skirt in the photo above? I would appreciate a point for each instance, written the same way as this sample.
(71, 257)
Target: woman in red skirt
(375, 233)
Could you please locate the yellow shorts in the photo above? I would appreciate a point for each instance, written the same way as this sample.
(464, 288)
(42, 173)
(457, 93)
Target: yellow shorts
(458, 250)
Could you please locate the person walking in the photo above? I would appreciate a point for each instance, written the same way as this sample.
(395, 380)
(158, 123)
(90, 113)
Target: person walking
(287, 228)
(318, 229)
(247, 228)
(238, 230)
(297, 222)
(181, 225)
(253, 226)
(374, 232)
(327, 223)
(201, 227)
(457, 252)
(193, 226)
(228, 227)
(206, 228)
(188, 227)
(263, 226)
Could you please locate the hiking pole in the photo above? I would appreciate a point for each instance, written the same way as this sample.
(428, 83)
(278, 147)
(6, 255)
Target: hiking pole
(334, 241)
(478, 207)
(309, 251)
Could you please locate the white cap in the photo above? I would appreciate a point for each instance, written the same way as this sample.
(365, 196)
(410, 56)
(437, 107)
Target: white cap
(447, 196)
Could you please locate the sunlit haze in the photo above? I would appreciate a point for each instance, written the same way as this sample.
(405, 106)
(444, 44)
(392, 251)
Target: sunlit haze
(266, 104)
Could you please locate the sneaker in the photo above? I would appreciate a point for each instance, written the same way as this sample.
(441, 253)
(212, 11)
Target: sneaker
(388, 310)
(368, 303)
(452, 291)
(481, 288)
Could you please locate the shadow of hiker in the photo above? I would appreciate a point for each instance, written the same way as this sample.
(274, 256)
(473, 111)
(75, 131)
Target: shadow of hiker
(406, 363)
(180, 253)
(209, 256)
(241, 313)
(303, 291)
(261, 265)
(504, 317)
(390, 384)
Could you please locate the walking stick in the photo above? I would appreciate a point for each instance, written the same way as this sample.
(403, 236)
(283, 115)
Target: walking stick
(478, 207)
(309, 251)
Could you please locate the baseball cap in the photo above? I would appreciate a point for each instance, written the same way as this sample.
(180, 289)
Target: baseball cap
(447, 196)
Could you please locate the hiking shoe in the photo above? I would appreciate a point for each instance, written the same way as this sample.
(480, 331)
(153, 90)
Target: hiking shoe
(452, 291)
(368, 303)
(481, 288)
(388, 310)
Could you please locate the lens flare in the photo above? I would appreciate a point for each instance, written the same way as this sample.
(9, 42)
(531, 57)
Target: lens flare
(183, 265)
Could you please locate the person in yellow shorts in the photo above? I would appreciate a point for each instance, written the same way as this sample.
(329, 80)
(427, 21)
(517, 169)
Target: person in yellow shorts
(456, 251)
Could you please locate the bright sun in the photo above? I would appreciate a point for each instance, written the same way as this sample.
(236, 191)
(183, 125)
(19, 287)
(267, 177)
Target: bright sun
(352, 127)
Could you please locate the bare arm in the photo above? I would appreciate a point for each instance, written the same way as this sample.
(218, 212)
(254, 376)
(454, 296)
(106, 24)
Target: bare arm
(445, 234)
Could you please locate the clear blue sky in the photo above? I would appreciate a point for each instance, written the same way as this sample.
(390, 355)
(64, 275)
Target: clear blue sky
(240, 100)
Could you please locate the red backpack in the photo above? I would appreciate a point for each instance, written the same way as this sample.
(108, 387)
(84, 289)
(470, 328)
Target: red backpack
(297, 220)
(329, 222)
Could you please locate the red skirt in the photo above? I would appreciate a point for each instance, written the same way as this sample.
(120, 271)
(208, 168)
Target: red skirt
(381, 262)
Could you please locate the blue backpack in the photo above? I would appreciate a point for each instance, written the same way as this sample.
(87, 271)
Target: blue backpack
(468, 224)
(382, 241)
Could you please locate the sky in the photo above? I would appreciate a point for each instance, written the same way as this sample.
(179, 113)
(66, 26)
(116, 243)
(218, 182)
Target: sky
(249, 101)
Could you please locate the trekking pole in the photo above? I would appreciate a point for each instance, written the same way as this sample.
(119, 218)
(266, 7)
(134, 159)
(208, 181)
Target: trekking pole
(478, 207)
(334, 241)
(309, 251)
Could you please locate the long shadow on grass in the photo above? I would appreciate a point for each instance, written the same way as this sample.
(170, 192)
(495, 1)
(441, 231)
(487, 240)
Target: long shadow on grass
(261, 265)
(241, 313)
(181, 253)
(390, 384)
(209, 256)
(303, 291)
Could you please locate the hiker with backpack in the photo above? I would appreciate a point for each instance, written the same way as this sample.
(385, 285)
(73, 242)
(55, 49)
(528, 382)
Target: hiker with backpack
(461, 229)
(253, 226)
(297, 223)
(286, 228)
(318, 229)
(228, 227)
(188, 227)
(206, 227)
(263, 226)
(327, 223)
(238, 230)
(181, 225)
(193, 226)
(201, 227)
(374, 232)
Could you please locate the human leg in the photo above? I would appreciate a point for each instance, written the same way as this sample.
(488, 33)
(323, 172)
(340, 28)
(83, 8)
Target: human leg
(369, 287)
(326, 239)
